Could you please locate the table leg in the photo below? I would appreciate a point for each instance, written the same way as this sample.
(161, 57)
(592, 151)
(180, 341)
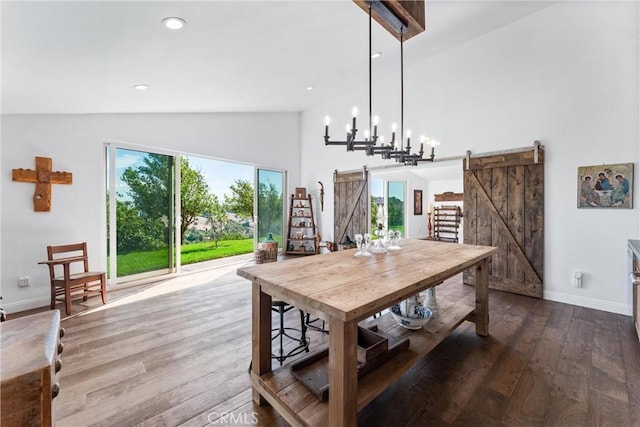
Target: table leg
(482, 298)
(343, 374)
(260, 336)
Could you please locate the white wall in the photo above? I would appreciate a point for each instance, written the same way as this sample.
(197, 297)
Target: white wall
(567, 76)
(415, 225)
(75, 143)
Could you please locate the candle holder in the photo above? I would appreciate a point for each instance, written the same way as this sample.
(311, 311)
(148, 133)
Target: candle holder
(431, 303)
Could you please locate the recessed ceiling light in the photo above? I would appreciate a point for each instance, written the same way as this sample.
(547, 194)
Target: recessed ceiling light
(141, 86)
(311, 87)
(376, 55)
(173, 23)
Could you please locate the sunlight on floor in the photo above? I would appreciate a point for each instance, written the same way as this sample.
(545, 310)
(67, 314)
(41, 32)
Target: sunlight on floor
(187, 280)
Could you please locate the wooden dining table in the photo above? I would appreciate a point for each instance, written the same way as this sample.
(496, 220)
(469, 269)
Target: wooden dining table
(343, 290)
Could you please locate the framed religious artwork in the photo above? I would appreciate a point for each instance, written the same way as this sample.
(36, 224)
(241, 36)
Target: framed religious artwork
(417, 202)
(301, 193)
(606, 186)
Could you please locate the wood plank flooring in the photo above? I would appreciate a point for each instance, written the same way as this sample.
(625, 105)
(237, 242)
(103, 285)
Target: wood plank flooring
(181, 358)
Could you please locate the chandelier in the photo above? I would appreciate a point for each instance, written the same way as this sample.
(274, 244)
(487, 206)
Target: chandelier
(395, 150)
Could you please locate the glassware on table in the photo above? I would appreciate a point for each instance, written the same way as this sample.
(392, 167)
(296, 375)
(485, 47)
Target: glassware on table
(379, 246)
(394, 235)
(362, 242)
(358, 238)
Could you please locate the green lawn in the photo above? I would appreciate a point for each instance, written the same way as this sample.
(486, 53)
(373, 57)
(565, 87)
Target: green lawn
(140, 262)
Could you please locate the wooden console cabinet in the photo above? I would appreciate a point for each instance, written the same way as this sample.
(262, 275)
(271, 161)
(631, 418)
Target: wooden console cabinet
(30, 350)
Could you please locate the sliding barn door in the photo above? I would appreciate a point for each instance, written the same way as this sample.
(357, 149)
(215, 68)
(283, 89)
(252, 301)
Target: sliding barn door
(351, 207)
(504, 207)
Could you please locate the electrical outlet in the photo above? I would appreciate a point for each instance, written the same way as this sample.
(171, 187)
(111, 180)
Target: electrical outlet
(577, 279)
(23, 282)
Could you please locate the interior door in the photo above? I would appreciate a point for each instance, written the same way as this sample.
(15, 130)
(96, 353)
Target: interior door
(504, 207)
(351, 207)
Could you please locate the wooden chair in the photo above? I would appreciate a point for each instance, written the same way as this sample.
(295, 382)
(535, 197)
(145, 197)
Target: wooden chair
(73, 283)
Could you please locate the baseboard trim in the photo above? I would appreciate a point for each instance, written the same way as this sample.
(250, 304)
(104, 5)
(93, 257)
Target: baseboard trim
(612, 307)
(28, 304)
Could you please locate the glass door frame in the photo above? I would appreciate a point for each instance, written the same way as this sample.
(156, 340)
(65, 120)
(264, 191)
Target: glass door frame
(109, 149)
(404, 204)
(285, 201)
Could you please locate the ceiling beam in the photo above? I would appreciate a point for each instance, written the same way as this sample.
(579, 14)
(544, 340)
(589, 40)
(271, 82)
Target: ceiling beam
(397, 15)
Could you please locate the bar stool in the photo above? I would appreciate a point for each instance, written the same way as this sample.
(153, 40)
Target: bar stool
(281, 308)
(310, 324)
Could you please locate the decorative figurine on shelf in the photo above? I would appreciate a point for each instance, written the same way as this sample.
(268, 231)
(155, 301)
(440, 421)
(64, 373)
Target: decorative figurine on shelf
(301, 212)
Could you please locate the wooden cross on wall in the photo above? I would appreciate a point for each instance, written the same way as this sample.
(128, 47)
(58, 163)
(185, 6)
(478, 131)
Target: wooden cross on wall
(43, 177)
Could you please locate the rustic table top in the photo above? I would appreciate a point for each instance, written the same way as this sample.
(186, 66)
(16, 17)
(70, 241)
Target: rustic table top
(347, 287)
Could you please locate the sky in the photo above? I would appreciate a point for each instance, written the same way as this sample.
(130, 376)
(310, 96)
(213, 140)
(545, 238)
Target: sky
(218, 174)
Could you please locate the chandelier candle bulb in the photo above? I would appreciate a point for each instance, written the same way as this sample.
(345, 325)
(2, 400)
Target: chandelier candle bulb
(393, 135)
(355, 114)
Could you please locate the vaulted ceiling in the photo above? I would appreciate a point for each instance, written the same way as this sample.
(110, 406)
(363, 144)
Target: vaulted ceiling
(232, 56)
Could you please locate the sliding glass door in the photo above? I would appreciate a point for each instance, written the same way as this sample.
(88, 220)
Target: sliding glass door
(270, 205)
(167, 210)
(141, 212)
